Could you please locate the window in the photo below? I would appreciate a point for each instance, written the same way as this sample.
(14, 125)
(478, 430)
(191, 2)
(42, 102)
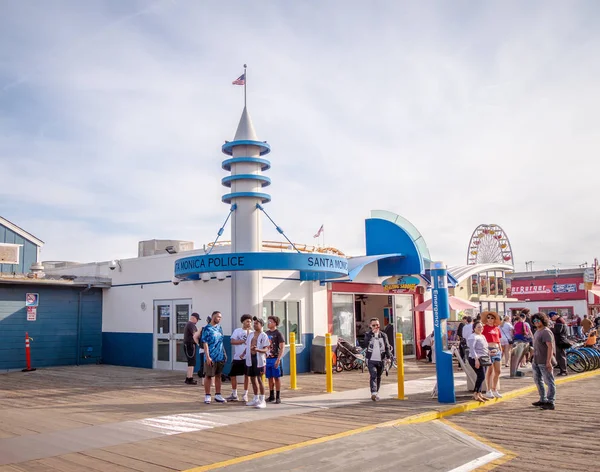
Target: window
(343, 316)
(289, 317)
(564, 311)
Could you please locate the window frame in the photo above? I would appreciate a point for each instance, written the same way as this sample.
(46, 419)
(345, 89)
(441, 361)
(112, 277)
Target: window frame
(283, 322)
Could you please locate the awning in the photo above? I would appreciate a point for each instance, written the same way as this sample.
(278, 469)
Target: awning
(593, 297)
(357, 264)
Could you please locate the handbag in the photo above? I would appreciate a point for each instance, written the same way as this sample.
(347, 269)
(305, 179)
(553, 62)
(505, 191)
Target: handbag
(485, 361)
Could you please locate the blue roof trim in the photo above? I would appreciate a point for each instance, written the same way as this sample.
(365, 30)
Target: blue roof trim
(227, 148)
(265, 197)
(452, 282)
(264, 180)
(226, 164)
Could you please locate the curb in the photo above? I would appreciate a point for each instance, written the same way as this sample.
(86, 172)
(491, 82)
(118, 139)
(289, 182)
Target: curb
(414, 419)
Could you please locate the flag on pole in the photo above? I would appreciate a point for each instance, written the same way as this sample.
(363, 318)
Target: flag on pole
(241, 80)
(319, 232)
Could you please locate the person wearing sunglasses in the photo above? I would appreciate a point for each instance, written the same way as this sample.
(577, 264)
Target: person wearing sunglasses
(378, 349)
(543, 362)
(492, 334)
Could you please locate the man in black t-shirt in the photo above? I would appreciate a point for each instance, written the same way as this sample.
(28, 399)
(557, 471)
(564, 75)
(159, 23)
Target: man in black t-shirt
(274, 369)
(190, 342)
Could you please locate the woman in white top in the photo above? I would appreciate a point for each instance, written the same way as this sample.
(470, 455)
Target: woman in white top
(478, 348)
(506, 341)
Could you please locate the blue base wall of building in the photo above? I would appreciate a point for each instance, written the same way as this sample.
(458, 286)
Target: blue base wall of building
(127, 349)
(135, 350)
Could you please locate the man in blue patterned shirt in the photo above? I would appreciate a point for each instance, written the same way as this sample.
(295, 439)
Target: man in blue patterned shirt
(215, 356)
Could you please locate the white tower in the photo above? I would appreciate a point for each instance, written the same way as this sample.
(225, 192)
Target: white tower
(246, 182)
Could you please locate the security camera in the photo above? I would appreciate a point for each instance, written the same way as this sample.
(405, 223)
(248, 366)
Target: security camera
(205, 277)
(112, 265)
(175, 281)
(221, 276)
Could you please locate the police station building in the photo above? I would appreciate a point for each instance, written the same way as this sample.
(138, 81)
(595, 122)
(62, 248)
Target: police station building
(312, 290)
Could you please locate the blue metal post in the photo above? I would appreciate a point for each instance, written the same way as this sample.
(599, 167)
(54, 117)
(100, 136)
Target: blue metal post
(441, 313)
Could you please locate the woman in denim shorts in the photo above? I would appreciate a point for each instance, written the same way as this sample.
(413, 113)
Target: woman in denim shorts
(492, 334)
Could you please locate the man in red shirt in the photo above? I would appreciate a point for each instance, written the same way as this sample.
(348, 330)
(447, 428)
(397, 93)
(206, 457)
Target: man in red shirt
(492, 334)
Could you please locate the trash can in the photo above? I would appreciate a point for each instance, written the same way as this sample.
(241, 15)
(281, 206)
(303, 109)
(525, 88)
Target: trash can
(317, 353)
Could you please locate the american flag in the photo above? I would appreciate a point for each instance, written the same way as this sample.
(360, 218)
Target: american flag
(319, 232)
(241, 80)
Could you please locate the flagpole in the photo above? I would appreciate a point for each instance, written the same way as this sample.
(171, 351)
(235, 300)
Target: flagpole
(245, 82)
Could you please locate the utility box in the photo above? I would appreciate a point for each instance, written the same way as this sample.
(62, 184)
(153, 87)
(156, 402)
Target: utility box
(317, 353)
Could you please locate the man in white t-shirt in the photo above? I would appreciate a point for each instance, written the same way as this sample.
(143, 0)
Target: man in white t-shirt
(257, 346)
(238, 365)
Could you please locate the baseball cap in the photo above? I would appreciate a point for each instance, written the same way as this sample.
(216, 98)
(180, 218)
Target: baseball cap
(260, 320)
(196, 315)
(552, 313)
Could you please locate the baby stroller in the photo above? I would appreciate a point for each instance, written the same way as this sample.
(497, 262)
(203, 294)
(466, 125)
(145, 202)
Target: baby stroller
(348, 356)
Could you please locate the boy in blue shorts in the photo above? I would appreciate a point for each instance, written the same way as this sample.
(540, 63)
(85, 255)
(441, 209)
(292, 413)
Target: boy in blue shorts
(274, 369)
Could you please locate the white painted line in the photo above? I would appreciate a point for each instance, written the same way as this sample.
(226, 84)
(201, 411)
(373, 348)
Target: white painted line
(474, 464)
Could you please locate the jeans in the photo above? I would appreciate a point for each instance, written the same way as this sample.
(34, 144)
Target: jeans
(541, 375)
(375, 371)
(561, 358)
(580, 331)
(480, 374)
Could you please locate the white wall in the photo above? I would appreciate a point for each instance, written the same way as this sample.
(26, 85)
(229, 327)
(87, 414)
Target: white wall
(579, 306)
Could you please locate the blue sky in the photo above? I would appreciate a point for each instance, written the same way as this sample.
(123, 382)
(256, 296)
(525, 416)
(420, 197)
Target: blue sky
(450, 114)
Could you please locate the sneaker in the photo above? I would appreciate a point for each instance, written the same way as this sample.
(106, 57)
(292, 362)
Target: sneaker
(496, 393)
(220, 399)
(539, 403)
(191, 381)
(374, 397)
(278, 400)
(377, 398)
(232, 398)
(253, 402)
(207, 399)
(262, 404)
(245, 398)
(547, 406)
(489, 394)
(270, 399)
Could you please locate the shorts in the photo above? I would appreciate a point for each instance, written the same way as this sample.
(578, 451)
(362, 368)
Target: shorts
(215, 369)
(497, 357)
(254, 370)
(238, 367)
(189, 349)
(271, 371)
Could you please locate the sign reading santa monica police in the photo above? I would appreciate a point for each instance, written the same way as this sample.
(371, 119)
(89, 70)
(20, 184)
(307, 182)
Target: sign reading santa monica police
(311, 266)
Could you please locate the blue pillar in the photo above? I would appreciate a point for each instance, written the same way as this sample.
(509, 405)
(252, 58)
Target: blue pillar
(441, 313)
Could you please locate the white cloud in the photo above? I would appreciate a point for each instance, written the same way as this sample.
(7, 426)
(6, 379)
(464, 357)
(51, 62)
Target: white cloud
(449, 117)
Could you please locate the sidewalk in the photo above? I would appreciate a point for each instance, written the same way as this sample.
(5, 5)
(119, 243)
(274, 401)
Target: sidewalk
(114, 418)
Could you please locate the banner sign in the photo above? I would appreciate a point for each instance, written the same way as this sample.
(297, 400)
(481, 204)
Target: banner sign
(403, 284)
(567, 288)
(321, 266)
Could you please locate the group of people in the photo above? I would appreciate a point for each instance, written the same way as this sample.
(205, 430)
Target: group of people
(489, 341)
(255, 353)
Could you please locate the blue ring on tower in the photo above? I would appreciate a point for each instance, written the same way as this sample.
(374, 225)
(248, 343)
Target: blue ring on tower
(226, 164)
(265, 197)
(263, 179)
(227, 148)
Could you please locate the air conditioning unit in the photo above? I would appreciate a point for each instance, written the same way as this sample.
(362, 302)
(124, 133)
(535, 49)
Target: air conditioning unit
(9, 253)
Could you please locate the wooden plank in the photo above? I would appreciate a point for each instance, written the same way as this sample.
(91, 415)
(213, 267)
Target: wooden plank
(124, 461)
(77, 462)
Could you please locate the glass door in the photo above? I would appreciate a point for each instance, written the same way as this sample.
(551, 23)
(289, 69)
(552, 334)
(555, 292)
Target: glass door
(405, 323)
(163, 358)
(170, 317)
(183, 310)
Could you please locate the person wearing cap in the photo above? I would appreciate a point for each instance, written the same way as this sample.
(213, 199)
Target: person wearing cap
(492, 334)
(561, 341)
(542, 364)
(257, 346)
(190, 346)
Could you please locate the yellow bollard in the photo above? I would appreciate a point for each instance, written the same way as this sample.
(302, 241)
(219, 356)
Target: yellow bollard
(328, 364)
(400, 362)
(293, 361)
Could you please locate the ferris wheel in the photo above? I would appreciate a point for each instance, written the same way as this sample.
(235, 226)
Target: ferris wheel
(489, 244)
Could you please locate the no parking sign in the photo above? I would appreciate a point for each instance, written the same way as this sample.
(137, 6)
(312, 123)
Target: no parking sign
(32, 299)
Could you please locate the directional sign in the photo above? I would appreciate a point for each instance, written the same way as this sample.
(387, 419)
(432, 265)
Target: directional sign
(32, 299)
